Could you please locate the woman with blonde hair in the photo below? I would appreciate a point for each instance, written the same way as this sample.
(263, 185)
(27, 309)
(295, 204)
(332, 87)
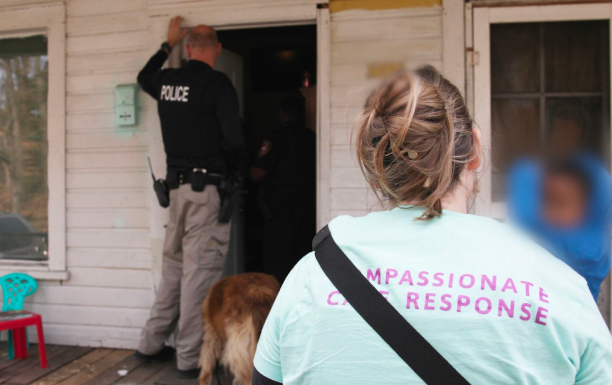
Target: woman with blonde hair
(486, 304)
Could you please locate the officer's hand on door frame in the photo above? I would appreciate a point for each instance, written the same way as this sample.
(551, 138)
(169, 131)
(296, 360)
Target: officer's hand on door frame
(175, 32)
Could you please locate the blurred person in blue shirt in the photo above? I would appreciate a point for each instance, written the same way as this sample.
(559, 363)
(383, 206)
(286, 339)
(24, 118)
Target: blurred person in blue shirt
(566, 204)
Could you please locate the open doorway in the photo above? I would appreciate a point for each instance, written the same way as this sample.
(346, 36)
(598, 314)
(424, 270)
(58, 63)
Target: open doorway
(268, 66)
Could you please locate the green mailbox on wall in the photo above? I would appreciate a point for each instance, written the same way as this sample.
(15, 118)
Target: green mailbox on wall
(126, 105)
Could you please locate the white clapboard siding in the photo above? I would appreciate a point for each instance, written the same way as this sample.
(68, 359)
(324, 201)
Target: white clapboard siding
(90, 315)
(353, 213)
(354, 199)
(109, 258)
(387, 50)
(92, 296)
(108, 218)
(421, 25)
(347, 177)
(357, 73)
(94, 101)
(113, 278)
(129, 159)
(410, 37)
(107, 62)
(353, 93)
(342, 156)
(345, 114)
(342, 134)
(84, 8)
(109, 138)
(93, 336)
(96, 179)
(106, 238)
(99, 82)
(95, 120)
(108, 42)
(111, 23)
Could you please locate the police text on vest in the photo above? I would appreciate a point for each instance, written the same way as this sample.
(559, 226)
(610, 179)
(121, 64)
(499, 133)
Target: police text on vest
(174, 93)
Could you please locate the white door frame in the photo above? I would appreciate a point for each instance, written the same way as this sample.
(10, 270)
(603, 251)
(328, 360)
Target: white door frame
(480, 89)
(223, 15)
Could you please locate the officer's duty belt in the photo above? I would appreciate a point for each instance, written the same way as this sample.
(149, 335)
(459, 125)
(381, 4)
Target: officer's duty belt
(197, 179)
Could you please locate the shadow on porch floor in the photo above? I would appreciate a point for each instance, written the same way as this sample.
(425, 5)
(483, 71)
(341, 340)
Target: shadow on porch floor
(69, 365)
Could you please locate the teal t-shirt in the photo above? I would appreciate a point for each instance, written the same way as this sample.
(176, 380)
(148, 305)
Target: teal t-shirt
(497, 306)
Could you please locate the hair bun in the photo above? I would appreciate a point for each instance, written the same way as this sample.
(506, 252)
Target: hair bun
(414, 137)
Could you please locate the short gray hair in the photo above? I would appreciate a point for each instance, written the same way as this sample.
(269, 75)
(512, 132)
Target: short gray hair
(202, 40)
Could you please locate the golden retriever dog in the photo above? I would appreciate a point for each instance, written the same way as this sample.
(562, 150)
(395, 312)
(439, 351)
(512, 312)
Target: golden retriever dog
(233, 315)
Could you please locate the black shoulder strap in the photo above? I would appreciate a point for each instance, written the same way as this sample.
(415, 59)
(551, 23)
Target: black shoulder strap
(397, 332)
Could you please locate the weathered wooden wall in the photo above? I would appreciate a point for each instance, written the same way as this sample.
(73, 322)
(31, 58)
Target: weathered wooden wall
(361, 42)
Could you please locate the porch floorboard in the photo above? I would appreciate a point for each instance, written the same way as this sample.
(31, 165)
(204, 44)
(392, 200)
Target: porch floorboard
(74, 365)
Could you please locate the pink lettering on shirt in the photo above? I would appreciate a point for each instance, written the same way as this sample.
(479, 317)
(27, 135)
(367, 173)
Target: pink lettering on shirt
(436, 299)
(429, 300)
(412, 298)
(406, 277)
(509, 285)
(486, 310)
(373, 277)
(391, 273)
(462, 301)
(492, 283)
(540, 315)
(470, 281)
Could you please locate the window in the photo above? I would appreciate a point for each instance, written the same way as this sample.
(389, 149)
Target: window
(33, 153)
(24, 193)
(549, 91)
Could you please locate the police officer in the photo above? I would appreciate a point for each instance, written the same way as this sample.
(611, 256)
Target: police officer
(202, 135)
(286, 167)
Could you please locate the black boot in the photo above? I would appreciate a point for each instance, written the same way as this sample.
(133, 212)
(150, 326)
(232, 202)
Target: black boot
(166, 354)
(190, 374)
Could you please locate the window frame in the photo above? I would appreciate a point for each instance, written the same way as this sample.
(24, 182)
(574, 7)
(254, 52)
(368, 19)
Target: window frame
(479, 85)
(542, 96)
(50, 20)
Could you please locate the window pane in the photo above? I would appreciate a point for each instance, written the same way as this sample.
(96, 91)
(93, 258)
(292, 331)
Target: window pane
(515, 58)
(23, 148)
(514, 132)
(575, 54)
(574, 124)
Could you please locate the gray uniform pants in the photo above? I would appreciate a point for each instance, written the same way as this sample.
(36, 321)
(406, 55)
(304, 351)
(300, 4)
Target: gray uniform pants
(194, 254)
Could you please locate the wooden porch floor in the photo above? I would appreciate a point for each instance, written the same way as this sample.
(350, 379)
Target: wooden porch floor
(88, 366)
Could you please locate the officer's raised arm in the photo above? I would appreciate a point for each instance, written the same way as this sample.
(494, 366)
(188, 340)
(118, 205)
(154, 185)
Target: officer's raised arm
(150, 76)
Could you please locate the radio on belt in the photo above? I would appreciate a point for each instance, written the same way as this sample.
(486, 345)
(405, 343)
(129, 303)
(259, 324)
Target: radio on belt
(126, 105)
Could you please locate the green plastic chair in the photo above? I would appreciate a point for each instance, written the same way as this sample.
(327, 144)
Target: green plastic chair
(15, 287)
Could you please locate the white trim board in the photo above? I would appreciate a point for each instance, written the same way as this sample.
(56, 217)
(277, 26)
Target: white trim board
(49, 18)
(453, 42)
(323, 117)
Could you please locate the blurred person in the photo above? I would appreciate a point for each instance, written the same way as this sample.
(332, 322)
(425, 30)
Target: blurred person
(286, 168)
(202, 136)
(498, 307)
(568, 132)
(566, 203)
